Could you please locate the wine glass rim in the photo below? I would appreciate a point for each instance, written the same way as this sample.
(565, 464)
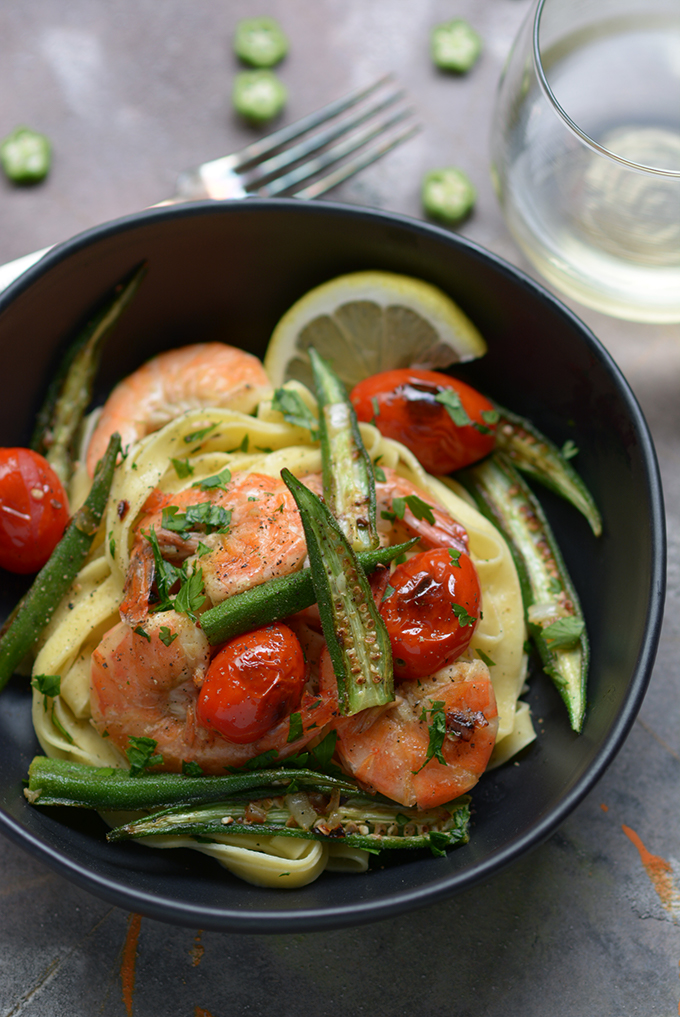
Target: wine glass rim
(585, 138)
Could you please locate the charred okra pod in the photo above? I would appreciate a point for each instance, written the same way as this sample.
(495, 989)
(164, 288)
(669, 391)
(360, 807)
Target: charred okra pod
(279, 598)
(70, 392)
(348, 481)
(553, 613)
(63, 782)
(534, 454)
(355, 633)
(358, 821)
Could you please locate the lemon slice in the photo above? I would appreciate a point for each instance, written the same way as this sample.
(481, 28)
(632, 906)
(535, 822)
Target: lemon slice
(368, 322)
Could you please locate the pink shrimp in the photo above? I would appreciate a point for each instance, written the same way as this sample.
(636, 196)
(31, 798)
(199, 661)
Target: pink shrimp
(193, 377)
(263, 539)
(386, 748)
(399, 522)
(146, 684)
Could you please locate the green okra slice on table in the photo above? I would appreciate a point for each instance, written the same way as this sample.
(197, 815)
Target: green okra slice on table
(54, 579)
(279, 598)
(359, 821)
(538, 457)
(70, 392)
(347, 470)
(355, 633)
(553, 613)
(64, 782)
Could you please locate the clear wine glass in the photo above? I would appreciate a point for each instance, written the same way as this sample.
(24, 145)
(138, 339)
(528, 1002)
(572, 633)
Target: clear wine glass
(586, 151)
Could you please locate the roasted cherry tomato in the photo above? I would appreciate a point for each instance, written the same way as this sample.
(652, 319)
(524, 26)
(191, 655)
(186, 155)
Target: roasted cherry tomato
(254, 681)
(444, 422)
(432, 612)
(33, 510)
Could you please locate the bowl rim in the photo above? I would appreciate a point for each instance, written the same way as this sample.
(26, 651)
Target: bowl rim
(165, 908)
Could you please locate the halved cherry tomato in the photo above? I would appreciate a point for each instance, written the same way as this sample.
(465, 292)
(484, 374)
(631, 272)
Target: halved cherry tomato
(421, 409)
(33, 510)
(254, 681)
(433, 611)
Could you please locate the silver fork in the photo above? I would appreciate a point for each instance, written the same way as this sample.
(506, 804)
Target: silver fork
(344, 137)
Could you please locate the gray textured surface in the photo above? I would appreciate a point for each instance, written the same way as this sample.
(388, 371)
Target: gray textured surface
(131, 93)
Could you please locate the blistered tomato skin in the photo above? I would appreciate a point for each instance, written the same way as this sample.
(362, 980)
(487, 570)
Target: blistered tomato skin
(432, 613)
(33, 510)
(255, 681)
(405, 404)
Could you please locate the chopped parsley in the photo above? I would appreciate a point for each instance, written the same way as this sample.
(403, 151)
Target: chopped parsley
(214, 518)
(166, 636)
(183, 468)
(463, 617)
(485, 658)
(454, 555)
(199, 435)
(563, 633)
(219, 480)
(437, 731)
(191, 769)
(453, 405)
(48, 684)
(190, 597)
(140, 753)
(295, 730)
(142, 632)
(56, 723)
(295, 411)
(419, 508)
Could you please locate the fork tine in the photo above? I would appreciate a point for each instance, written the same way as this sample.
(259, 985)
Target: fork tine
(289, 156)
(332, 155)
(259, 149)
(365, 158)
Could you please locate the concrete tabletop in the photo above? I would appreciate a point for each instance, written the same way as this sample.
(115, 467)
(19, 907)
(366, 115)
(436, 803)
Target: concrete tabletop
(131, 92)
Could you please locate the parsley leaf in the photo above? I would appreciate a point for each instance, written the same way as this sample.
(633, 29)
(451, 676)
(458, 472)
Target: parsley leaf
(294, 410)
(166, 574)
(563, 633)
(490, 417)
(220, 480)
(48, 684)
(295, 727)
(140, 754)
(389, 590)
(142, 632)
(191, 769)
(60, 727)
(454, 555)
(214, 518)
(376, 408)
(453, 405)
(485, 658)
(419, 508)
(463, 617)
(438, 842)
(437, 732)
(183, 467)
(199, 435)
(166, 636)
(190, 597)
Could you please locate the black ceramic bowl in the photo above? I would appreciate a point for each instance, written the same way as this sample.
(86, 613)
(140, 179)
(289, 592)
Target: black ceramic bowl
(229, 271)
